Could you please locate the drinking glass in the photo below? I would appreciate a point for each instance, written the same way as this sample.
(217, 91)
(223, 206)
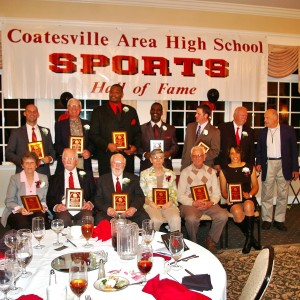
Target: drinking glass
(17, 271)
(144, 259)
(78, 277)
(148, 231)
(24, 234)
(38, 230)
(6, 277)
(176, 248)
(57, 226)
(24, 256)
(87, 229)
(11, 239)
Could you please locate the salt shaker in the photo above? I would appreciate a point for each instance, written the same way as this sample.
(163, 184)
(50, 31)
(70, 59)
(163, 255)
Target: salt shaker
(55, 291)
(101, 272)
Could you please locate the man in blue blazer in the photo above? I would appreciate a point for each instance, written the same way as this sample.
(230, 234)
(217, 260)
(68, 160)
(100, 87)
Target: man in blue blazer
(73, 126)
(277, 159)
(164, 132)
(113, 117)
(20, 137)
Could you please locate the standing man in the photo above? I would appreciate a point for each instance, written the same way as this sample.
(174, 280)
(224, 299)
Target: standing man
(236, 133)
(192, 210)
(73, 126)
(277, 159)
(30, 132)
(73, 178)
(156, 129)
(118, 181)
(113, 117)
(201, 131)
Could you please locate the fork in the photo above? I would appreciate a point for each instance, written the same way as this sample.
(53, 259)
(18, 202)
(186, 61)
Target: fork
(88, 297)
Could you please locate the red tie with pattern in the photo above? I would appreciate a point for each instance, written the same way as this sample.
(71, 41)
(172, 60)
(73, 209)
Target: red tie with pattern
(118, 112)
(155, 130)
(118, 186)
(237, 137)
(33, 137)
(71, 181)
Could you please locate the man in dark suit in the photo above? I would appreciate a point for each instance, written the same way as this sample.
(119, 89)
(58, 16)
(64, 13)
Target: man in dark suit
(156, 129)
(70, 177)
(73, 126)
(277, 159)
(128, 183)
(236, 133)
(30, 132)
(115, 117)
(201, 131)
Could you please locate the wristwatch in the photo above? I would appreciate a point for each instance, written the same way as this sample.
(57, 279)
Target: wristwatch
(250, 195)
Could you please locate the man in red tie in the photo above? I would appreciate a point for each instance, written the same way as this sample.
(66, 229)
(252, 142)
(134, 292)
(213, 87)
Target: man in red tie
(59, 193)
(119, 181)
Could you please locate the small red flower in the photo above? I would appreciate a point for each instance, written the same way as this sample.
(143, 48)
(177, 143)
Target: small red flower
(168, 178)
(38, 184)
(133, 122)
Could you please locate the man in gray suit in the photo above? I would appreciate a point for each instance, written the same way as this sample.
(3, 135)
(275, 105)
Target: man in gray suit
(30, 132)
(201, 131)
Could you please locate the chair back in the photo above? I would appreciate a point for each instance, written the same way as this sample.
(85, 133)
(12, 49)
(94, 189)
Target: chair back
(260, 275)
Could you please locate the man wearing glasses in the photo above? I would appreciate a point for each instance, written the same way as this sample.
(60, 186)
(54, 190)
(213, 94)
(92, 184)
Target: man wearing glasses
(191, 210)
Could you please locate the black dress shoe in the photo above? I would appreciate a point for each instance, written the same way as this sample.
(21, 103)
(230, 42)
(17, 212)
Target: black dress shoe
(266, 225)
(280, 226)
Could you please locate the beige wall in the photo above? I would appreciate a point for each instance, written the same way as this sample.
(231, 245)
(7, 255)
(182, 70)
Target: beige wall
(55, 10)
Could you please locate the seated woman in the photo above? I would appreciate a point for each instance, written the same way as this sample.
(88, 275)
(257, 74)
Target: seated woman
(159, 177)
(237, 172)
(26, 183)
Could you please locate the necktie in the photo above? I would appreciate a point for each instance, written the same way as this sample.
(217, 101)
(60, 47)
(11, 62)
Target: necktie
(71, 181)
(34, 139)
(118, 186)
(198, 131)
(155, 130)
(118, 112)
(237, 137)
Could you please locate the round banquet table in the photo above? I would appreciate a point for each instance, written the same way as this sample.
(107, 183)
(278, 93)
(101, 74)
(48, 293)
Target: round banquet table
(40, 267)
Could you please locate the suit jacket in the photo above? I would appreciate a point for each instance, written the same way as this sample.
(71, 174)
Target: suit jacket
(15, 190)
(209, 136)
(103, 123)
(57, 187)
(170, 143)
(17, 146)
(105, 188)
(289, 155)
(228, 139)
(62, 141)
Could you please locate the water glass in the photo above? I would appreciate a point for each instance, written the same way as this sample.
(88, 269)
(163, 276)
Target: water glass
(57, 226)
(148, 231)
(6, 277)
(87, 229)
(38, 231)
(17, 271)
(176, 248)
(78, 277)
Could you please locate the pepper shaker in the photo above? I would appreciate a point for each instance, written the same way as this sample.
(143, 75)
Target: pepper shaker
(101, 272)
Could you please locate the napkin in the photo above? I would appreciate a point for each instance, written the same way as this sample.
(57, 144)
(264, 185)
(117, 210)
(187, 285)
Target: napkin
(167, 289)
(199, 282)
(165, 257)
(30, 297)
(102, 231)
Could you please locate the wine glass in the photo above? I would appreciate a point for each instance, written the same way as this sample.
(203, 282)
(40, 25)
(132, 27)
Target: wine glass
(38, 230)
(17, 271)
(57, 226)
(78, 277)
(176, 248)
(6, 277)
(87, 229)
(11, 239)
(24, 256)
(144, 259)
(24, 234)
(148, 231)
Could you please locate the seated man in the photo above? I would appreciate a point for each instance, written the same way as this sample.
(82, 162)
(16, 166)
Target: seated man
(197, 174)
(70, 177)
(118, 181)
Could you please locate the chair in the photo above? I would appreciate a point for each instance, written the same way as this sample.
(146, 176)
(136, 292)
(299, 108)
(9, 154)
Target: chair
(260, 275)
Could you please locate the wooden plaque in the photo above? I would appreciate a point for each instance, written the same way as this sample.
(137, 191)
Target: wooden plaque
(201, 144)
(235, 192)
(77, 143)
(160, 196)
(37, 148)
(120, 139)
(199, 192)
(157, 144)
(32, 203)
(120, 202)
(74, 199)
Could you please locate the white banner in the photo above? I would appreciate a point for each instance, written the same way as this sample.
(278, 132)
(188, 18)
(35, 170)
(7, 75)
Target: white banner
(155, 64)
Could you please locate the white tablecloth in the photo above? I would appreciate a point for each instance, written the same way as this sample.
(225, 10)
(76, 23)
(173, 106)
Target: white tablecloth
(40, 266)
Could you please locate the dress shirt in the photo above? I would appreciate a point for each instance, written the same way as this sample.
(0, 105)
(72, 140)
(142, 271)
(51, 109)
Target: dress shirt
(115, 180)
(274, 148)
(158, 124)
(202, 127)
(36, 130)
(240, 130)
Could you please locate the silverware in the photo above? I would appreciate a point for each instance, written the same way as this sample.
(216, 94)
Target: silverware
(172, 277)
(71, 243)
(126, 285)
(185, 258)
(189, 272)
(88, 297)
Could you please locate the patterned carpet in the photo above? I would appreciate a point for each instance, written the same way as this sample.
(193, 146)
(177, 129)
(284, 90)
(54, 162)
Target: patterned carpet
(285, 281)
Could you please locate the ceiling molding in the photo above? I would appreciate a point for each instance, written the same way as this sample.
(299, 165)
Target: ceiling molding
(199, 5)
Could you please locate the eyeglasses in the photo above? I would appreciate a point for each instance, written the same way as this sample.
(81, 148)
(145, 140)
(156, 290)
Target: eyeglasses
(69, 158)
(158, 157)
(197, 155)
(117, 163)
